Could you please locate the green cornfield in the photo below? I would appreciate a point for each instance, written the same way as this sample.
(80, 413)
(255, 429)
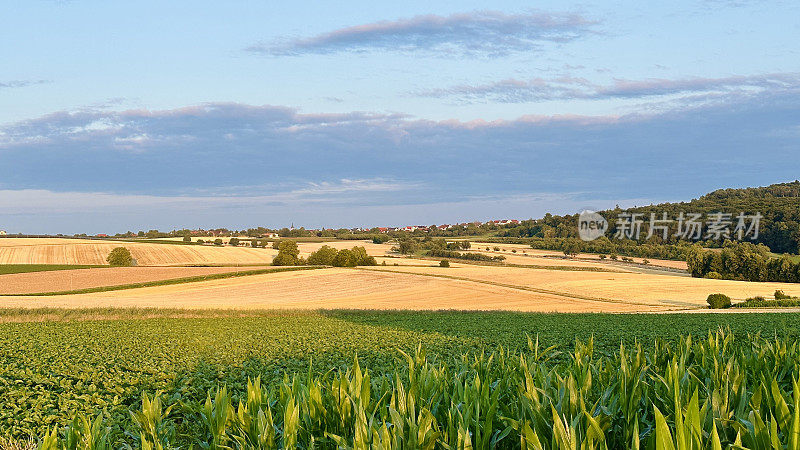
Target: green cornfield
(404, 380)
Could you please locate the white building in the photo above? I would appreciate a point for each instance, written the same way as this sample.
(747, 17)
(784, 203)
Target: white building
(3, 232)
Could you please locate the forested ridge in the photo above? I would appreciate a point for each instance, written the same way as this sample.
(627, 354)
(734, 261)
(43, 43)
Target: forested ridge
(778, 204)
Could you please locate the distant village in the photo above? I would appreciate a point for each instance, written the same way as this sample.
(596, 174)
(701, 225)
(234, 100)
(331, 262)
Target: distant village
(291, 231)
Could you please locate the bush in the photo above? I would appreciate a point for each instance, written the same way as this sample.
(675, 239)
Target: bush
(645, 261)
(187, 239)
(780, 295)
(323, 257)
(120, 257)
(200, 241)
(234, 242)
(444, 263)
(713, 275)
(718, 301)
(601, 256)
(380, 239)
(217, 241)
(345, 258)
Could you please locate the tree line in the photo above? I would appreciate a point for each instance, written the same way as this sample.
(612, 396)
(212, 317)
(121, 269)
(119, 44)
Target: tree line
(289, 255)
(741, 261)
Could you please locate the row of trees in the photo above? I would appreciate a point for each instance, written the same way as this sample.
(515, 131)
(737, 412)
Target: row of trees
(742, 261)
(411, 245)
(289, 255)
(606, 246)
(468, 256)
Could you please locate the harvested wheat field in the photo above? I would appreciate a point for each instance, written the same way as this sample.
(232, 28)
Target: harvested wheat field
(67, 280)
(82, 251)
(330, 289)
(650, 289)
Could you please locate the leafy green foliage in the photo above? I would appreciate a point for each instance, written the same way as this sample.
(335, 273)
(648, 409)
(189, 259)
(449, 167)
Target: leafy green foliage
(327, 256)
(465, 256)
(689, 394)
(444, 263)
(288, 254)
(718, 301)
(741, 261)
(120, 257)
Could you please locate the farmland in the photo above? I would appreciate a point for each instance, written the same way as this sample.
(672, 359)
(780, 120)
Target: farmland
(94, 252)
(83, 278)
(55, 369)
(97, 354)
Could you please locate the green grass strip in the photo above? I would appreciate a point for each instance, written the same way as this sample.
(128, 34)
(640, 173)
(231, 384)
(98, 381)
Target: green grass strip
(8, 269)
(216, 276)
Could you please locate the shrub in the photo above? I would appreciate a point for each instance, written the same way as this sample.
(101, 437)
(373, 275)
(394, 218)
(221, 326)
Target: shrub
(234, 242)
(780, 295)
(713, 275)
(407, 246)
(323, 257)
(645, 261)
(200, 241)
(602, 256)
(218, 241)
(718, 301)
(497, 249)
(187, 239)
(613, 257)
(120, 257)
(444, 263)
(345, 258)
(380, 239)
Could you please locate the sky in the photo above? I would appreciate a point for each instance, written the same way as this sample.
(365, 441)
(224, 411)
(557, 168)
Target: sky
(119, 116)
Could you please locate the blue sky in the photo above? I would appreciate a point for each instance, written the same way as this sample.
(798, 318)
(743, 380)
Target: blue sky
(117, 116)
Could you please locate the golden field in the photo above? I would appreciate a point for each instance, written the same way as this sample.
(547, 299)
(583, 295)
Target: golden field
(546, 282)
(326, 289)
(93, 252)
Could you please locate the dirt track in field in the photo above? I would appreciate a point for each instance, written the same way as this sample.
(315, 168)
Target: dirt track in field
(67, 280)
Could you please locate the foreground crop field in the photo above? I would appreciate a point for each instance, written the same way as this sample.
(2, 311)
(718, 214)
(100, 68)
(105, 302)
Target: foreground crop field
(50, 371)
(94, 252)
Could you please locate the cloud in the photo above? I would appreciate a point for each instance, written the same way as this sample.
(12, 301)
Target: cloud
(21, 83)
(572, 88)
(479, 33)
(232, 164)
